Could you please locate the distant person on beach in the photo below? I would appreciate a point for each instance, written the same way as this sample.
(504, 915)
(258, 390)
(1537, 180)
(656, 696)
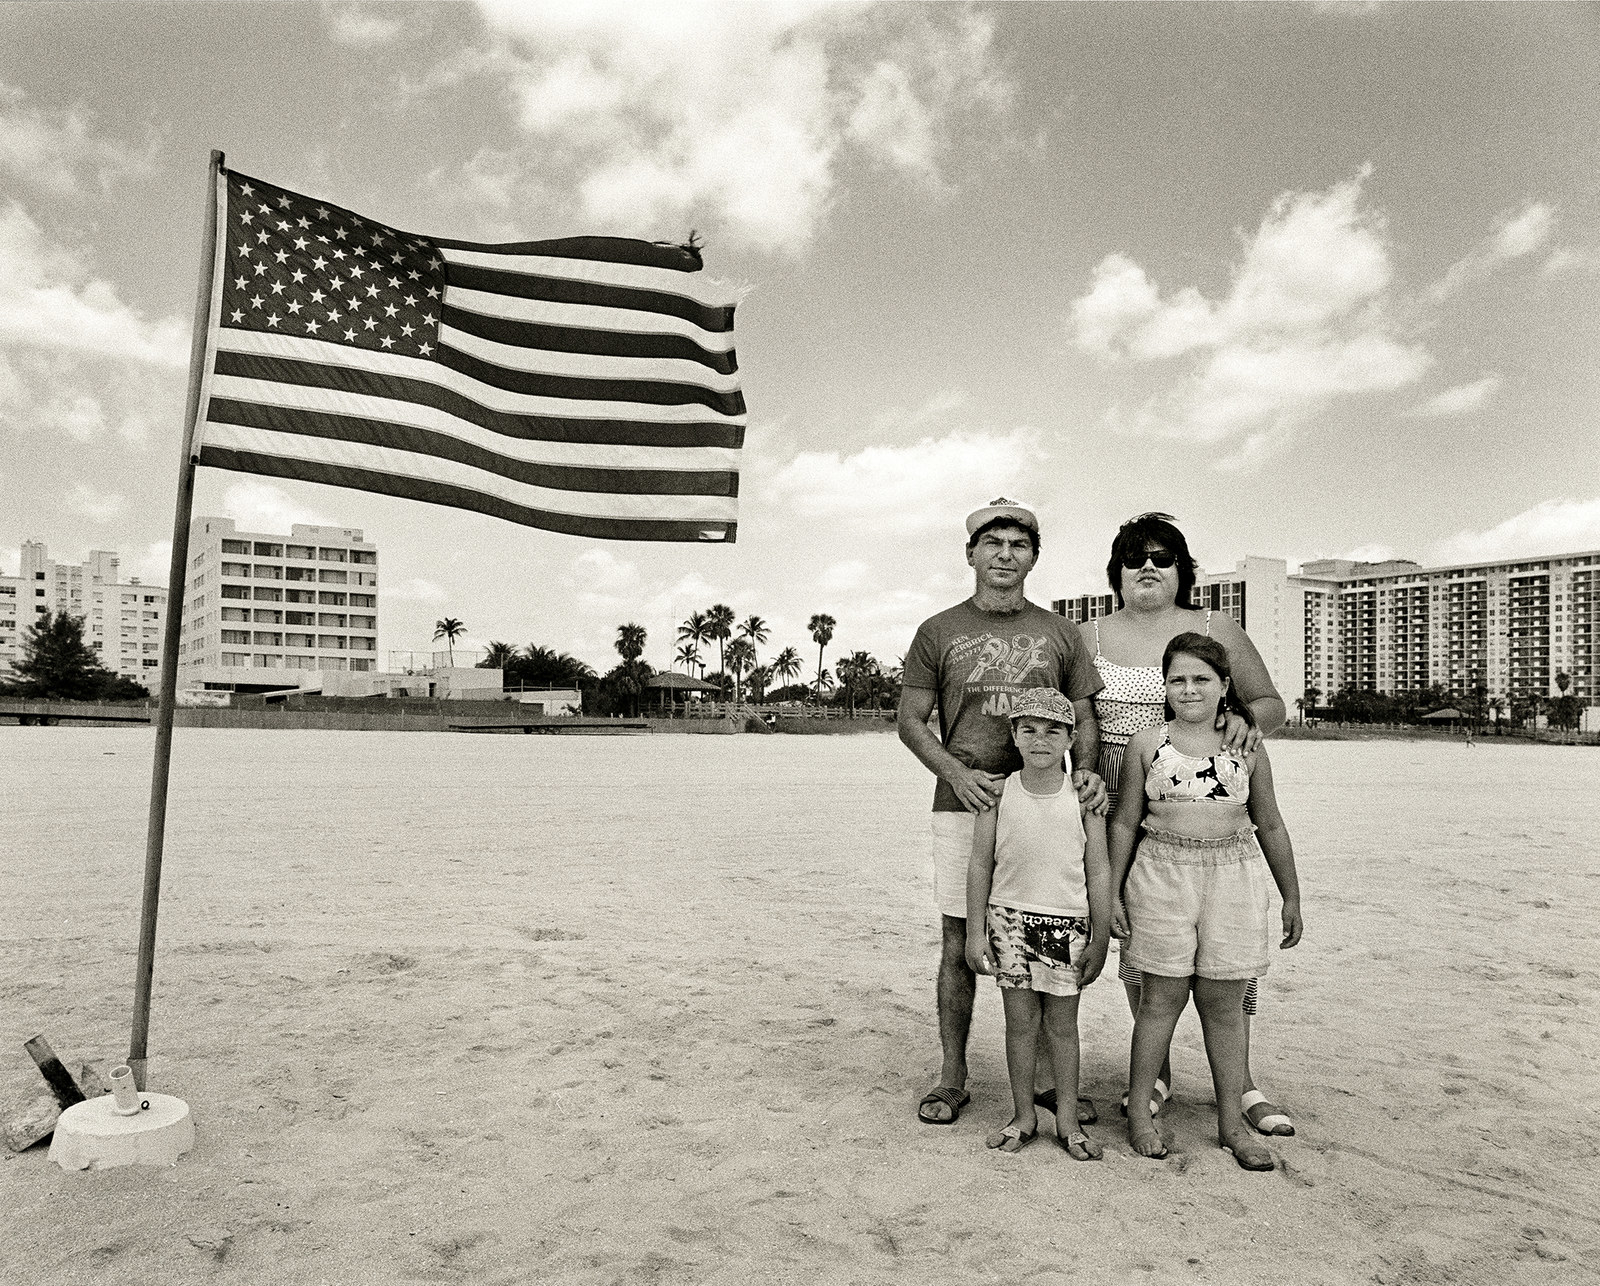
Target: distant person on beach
(1195, 906)
(1039, 913)
(1152, 576)
(970, 662)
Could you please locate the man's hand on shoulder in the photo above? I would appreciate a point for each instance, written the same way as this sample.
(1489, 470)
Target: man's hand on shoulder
(977, 790)
(1091, 791)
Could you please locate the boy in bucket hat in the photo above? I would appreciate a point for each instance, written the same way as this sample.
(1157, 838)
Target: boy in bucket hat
(969, 663)
(1039, 912)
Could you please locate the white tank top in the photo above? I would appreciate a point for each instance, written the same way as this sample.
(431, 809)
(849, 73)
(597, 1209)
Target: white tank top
(1038, 852)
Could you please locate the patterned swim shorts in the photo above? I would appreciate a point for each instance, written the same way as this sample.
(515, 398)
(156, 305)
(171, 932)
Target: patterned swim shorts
(1035, 952)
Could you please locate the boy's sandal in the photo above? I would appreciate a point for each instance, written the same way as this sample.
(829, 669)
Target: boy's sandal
(1080, 1147)
(1086, 1113)
(1010, 1139)
(1269, 1119)
(1163, 1096)
(952, 1098)
(1260, 1161)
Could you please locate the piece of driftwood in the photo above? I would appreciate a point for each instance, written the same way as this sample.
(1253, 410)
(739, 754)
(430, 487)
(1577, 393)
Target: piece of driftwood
(25, 1124)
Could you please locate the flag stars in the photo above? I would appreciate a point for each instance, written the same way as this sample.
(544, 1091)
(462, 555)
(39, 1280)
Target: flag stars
(390, 310)
(239, 283)
(302, 222)
(425, 349)
(298, 276)
(386, 341)
(300, 243)
(338, 234)
(319, 263)
(371, 291)
(312, 325)
(335, 283)
(371, 323)
(322, 212)
(246, 217)
(283, 225)
(356, 270)
(406, 331)
(317, 296)
(283, 202)
(260, 269)
(246, 190)
(277, 288)
(256, 301)
(236, 316)
(273, 320)
(294, 306)
(433, 292)
(282, 256)
(349, 334)
(264, 208)
(410, 301)
(262, 237)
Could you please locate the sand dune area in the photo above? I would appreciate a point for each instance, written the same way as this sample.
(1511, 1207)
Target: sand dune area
(659, 1010)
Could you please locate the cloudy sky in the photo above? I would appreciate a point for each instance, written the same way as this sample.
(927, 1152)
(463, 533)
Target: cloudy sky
(1320, 279)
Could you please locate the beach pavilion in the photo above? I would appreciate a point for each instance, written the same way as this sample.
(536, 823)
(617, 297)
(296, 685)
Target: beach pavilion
(676, 689)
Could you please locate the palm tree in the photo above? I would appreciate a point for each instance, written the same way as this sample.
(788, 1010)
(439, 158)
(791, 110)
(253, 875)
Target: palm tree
(755, 629)
(498, 656)
(689, 654)
(786, 664)
(760, 677)
(821, 627)
(695, 631)
(449, 629)
(719, 626)
(741, 656)
(858, 672)
(1309, 702)
(630, 641)
(543, 665)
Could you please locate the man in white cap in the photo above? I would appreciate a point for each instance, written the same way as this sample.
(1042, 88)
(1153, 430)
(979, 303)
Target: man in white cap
(968, 663)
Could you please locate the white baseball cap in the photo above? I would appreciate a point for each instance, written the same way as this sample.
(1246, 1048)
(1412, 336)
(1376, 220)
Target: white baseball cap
(1019, 511)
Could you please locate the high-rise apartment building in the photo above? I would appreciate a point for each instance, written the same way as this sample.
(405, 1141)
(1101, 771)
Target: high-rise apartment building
(261, 609)
(122, 621)
(1511, 625)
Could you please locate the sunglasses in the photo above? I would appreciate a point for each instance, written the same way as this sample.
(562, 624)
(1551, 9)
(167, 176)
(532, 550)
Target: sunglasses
(1155, 557)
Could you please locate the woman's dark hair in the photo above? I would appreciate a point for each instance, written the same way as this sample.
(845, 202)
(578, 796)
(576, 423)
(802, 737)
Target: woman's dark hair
(1205, 648)
(1151, 529)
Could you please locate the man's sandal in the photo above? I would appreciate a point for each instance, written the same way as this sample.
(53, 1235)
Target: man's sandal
(952, 1098)
(1086, 1113)
(1269, 1119)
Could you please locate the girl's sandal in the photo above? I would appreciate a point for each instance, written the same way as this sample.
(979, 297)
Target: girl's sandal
(1080, 1147)
(1163, 1096)
(1010, 1139)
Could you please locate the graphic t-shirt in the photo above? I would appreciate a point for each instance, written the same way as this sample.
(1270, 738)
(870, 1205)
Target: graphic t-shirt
(977, 662)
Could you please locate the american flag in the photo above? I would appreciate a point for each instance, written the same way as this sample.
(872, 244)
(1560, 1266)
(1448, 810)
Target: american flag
(585, 385)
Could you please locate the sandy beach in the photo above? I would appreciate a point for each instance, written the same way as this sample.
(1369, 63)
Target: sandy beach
(659, 1010)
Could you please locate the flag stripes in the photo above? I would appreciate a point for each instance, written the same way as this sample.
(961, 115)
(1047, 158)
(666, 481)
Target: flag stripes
(586, 385)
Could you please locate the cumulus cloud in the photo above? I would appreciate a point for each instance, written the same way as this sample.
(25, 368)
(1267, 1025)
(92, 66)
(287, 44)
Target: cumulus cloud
(362, 26)
(50, 300)
(1551, 527)
(62, 153)
(260, 506)
(733, 117)
(92, 503)
(1461, 399)
(415, 589)
(926, 485)
(1305, 322)
(1514, 237)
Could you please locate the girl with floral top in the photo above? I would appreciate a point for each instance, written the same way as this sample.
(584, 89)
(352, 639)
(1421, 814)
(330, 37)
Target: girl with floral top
(1194, 911)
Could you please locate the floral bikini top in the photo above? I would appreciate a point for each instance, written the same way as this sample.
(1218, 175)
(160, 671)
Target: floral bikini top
(1223, 778)
(1134, 696)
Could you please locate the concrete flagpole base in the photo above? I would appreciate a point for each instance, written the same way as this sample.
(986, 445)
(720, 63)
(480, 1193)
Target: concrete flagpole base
(93, 1135)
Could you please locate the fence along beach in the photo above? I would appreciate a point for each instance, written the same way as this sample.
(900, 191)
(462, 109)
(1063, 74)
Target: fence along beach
(651, 1009)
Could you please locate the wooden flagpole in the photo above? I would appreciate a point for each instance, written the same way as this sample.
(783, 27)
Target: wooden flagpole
(176, 576)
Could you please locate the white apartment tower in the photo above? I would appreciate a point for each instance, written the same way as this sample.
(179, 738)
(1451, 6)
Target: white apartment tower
(122, 621)
(1511, 626)
(263, 612)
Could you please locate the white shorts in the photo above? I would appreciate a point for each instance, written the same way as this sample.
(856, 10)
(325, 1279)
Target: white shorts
(952, 850)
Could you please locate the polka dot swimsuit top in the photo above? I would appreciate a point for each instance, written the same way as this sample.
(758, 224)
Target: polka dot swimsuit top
(1134, 697)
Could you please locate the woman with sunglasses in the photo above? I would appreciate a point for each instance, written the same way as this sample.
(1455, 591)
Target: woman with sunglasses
(1152, 576)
